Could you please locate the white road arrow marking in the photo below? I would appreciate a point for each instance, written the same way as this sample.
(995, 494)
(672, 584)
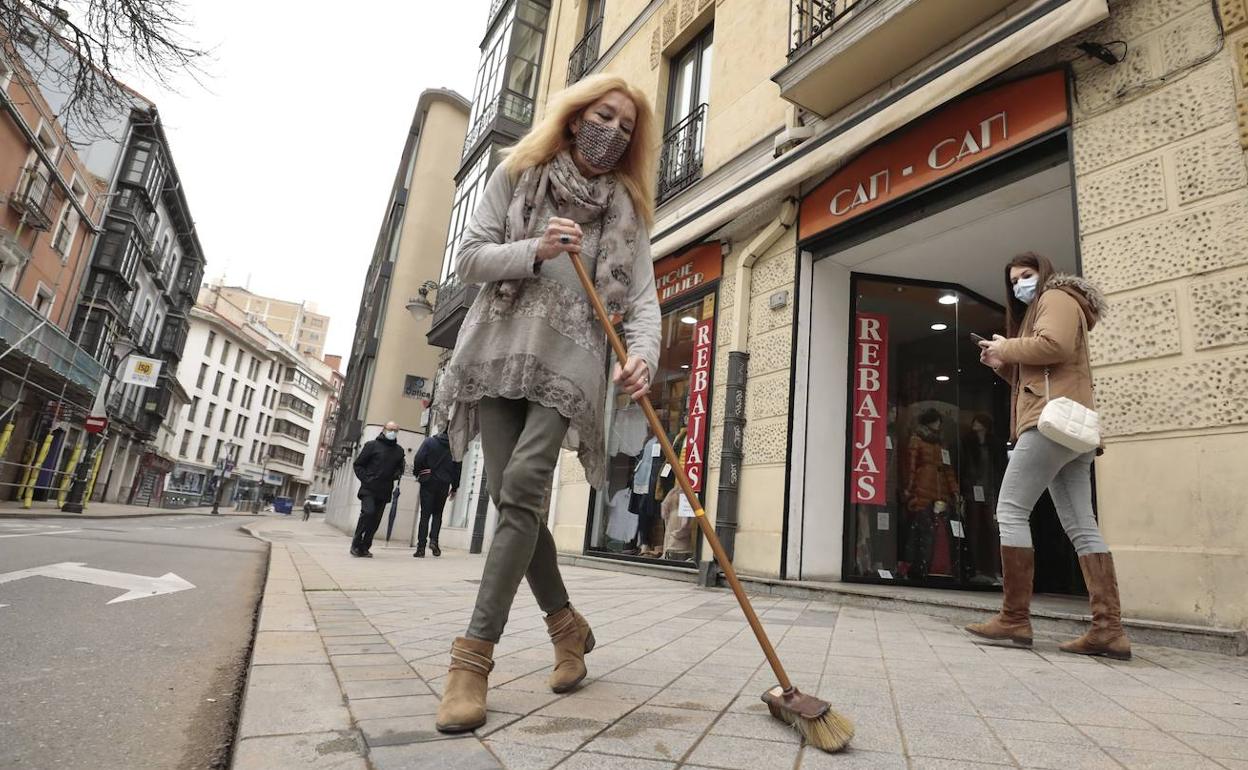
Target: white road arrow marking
(37, 534)
(136, 586)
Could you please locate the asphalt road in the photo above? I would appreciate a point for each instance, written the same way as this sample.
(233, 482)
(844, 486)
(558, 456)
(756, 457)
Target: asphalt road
(148, 683)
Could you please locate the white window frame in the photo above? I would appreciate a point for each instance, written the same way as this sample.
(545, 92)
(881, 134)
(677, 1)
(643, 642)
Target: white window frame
(41, 290)
(69, 212)
(6, 74)
(50, 145)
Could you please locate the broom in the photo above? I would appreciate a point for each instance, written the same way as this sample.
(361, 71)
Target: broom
(822, 727)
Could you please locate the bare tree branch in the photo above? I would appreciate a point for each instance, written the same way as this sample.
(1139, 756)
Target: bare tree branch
(75, 50)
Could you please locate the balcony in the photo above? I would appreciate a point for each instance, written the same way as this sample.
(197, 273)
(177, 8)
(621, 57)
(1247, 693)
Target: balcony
(454, 299)
(680, 164)
(130, 207)
(151, 260)
(46, 347)
(172, 339)
(841, 50)
(31, 198)
(585, 55)
(510, 114)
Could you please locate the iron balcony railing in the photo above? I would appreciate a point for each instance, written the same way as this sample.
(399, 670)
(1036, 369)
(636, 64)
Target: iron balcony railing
(31, 197)
(509, 104)
(811, 20)
(680, 164)
(585, 55)
(48, 345)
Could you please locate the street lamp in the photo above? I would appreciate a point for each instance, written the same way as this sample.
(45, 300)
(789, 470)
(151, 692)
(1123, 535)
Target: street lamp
(420, 306)
(77, 490)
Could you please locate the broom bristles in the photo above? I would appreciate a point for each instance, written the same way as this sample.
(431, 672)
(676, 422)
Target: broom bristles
(830, 732)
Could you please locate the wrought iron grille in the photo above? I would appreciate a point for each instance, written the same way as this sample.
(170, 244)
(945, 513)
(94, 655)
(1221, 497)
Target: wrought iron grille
(680, 165)
(585, 55)
(810, 20)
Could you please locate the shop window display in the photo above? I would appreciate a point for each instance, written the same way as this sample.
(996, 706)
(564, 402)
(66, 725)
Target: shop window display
(641, 512)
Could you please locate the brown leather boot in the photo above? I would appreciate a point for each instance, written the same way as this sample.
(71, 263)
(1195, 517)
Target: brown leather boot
(1106, 636)
(1013, 622)
(573, 639)
(463, 698)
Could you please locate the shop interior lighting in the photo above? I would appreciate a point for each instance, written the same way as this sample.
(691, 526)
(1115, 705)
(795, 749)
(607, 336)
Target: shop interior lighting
(948, 299)
(689, 320)
(942, 378)
(684, 366)
(939, 327)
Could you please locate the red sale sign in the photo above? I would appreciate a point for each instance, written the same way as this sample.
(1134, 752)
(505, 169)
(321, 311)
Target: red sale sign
(699, 391)
(870, 408)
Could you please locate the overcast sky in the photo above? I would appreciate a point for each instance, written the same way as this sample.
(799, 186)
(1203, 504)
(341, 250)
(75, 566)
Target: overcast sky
(288, 151)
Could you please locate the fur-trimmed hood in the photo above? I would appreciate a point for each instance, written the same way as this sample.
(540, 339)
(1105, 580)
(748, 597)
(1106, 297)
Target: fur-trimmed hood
(1089, 297)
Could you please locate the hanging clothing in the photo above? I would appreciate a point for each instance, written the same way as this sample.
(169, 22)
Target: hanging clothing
(628, 432)
(644, 471)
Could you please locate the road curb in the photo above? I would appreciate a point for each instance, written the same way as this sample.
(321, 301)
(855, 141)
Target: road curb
(83, 517)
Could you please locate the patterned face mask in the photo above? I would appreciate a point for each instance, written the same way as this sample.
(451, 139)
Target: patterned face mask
(602, 146)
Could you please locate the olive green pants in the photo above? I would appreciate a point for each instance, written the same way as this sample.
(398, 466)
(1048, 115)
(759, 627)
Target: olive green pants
(521, 442)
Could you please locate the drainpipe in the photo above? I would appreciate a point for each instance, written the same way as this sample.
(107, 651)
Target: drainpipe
(734, 404)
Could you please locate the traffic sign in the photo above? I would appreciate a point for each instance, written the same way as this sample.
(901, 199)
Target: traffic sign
(95, 424)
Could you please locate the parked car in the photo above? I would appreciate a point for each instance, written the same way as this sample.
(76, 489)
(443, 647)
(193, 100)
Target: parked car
(315, 503)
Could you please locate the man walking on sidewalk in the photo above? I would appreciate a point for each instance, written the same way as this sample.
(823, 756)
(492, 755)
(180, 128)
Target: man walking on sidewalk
(438, 474)
(379, 464)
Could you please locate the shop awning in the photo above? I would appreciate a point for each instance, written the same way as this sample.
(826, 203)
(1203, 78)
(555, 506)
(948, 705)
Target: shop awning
(1045, 24)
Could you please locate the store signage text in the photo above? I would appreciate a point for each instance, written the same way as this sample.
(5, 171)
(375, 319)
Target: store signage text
(699, 392)
(870, 405)
(948, 141)
(684, 273)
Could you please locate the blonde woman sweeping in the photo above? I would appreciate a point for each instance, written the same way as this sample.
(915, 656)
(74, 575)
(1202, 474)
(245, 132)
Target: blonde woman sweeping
(527, 372)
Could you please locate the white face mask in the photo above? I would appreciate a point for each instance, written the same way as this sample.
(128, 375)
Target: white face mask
(392, 435)
(1025, 289)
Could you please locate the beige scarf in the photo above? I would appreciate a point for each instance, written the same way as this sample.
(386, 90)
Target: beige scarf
(583, 201)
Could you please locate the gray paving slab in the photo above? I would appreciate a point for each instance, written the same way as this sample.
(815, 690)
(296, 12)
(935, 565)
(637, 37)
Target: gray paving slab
(462, 754)
(310, 751)
(292, 699)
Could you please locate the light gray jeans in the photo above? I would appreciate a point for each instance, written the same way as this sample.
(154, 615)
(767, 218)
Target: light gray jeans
(1039, 462)
(520, 441)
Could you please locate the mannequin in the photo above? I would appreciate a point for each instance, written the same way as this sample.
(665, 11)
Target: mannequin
(982, 469)
(931, 495)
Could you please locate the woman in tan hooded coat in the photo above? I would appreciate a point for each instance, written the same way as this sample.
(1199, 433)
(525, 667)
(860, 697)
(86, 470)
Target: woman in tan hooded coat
(1045, 356)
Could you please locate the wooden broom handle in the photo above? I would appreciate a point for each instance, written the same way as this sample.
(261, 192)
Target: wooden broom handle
(682, 479)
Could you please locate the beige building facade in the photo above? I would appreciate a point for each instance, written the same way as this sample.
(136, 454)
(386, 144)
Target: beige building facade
(296, 322)
(391, 370)
(836, 174)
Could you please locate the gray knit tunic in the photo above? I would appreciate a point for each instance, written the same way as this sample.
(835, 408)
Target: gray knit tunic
(546, 345)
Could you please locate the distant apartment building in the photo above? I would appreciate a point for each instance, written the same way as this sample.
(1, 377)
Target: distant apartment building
(296, 322)
(391, 370)
(324, 473)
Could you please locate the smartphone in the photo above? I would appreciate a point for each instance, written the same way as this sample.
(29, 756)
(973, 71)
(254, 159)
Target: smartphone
(976, 338)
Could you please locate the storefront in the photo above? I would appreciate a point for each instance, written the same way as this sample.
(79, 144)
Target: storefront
(905, 247)
(640, 515)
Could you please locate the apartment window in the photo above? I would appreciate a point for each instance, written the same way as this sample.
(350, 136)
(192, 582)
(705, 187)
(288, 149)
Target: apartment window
(286, 455)
(240, 427)
(466, 196)
(190, 416)
(47, 140)
(271, 365)
(186, 443)
(233, 385)
(225, 419)
(238, 362)
(146, 167)
(680, 164)
(216, 385)
(251, 457)
(44, 299)
(225, 353)
(296, 405)
(203, 374)
(212, 408)
(68, 221)
(254, 369)
(216, 453)
(291, 430)
(303, 381)
(212, 340)
(203, 445)
(6, 74)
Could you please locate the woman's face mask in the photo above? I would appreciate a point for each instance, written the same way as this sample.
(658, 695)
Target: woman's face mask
(602, 146)
(1025, 289)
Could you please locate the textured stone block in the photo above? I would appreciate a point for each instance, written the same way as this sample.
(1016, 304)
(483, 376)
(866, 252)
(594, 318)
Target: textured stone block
(1193, 243)
(1190, 40)
(686, 12)
(656, 48)
(1129, 20)
(1122, 195)
(1099, 85)
(1212, 166)
(1200, 394)
(1220, 311)
(1241, 117)
(766, 441)
(771, 352)
(669, 22)
(1234, 13)
(773, 274)
(763, 319)
(1241, 59)
(1200, 101)
(767, 397)
(1138, 328)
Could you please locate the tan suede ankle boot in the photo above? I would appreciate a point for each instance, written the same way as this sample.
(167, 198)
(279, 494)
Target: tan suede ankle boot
(1013, 622)
(1106, 636)
(572, 637)
(463, 698)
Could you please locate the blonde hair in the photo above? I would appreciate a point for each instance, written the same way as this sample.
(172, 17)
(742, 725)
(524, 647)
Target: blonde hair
(636, 170)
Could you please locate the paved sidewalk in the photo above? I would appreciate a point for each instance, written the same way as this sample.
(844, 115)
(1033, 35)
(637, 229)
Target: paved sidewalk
(351, 658)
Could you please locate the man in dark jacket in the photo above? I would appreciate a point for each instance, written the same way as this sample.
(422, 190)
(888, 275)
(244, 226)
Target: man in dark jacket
(379, 464)
(438, 474)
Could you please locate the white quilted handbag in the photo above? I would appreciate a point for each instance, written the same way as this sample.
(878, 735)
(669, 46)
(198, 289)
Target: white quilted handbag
(1069, 422)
